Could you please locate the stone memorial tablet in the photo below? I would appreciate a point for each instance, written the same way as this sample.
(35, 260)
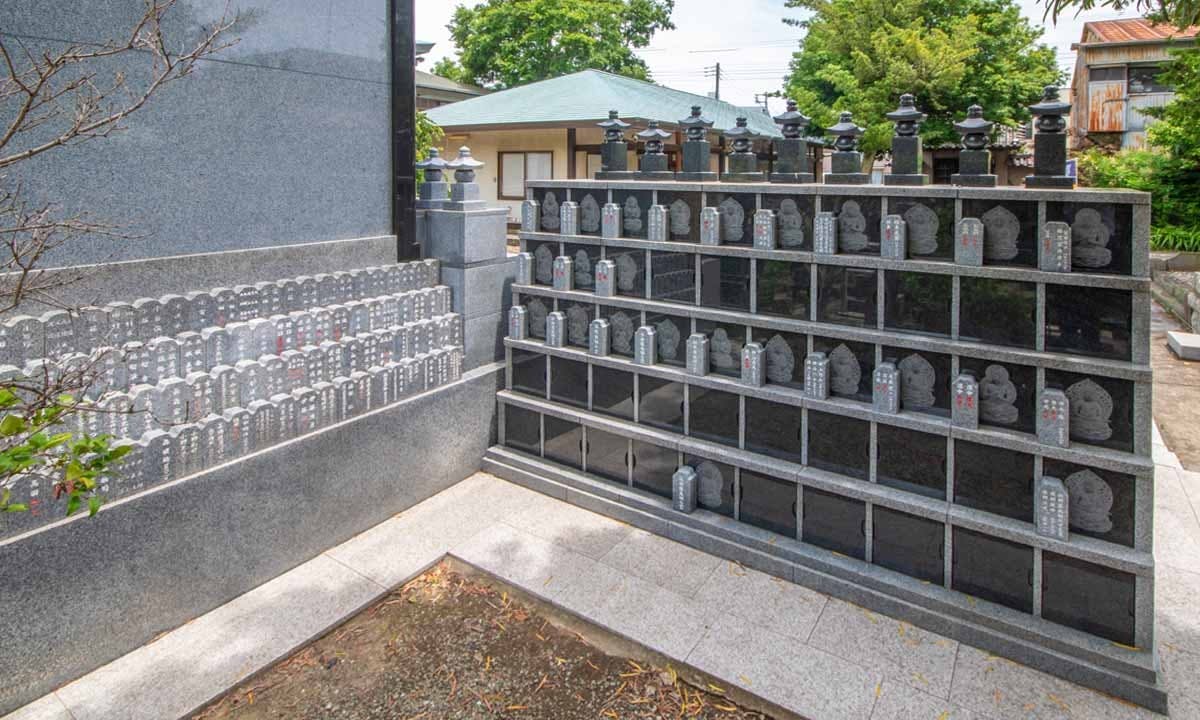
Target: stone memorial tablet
(764, 229)
(754, 364)
(251, 380)
(684, 489)
(91, 327)
(360, 317)
(1052, 508)
(327, 406)
(165, 354)
(306, 410)
(895, 238)
(606, 276)
(193, 356)
(816, 376)
(241, 431)
(968, 243)
(1053, 418)
(247, 302)
(285, 333)
(189, 458)
(610, 220)
(264, 423)
(139, 363)
(202, 396)
(327, 286)
(556, 329)
(339, 322)
(201, 310)
(214, 441)
(227, 391)
(159, 453)
(656, 223)
(148, 316)
(270, 299)
(226, 306)
(564, 273)
(322, 325)
(142, 399)
(285, 411)
(369, 345)
(599, 337)
(568, 214)
(518, 324)
(697, 354)
(645, 345)
(242, 343)
(122, 323)
(885, 396)
(964, 409)
(525, 268)
(530, 212)
(174, 397)
(710, 226)
(219, 347)
(59, 331)
(1056, 247)
(825, 233)
(264, 337)
(295, 368)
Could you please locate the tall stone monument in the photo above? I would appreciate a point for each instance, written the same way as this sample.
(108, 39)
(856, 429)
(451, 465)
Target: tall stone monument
(906, 144)
(743, 161)
(653, 164)
(614, 151)
(696, 148)
(974, 160)
(1050, 142)
(846, 162)
(792, 164)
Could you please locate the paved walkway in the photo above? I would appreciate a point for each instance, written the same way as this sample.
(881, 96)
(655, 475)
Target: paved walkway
(820, 657)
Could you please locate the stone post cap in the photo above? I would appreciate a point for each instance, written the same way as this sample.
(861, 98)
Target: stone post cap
(907, 117)
(793, 121)
(696, 124)
(974, 129)
(845, 132)
(433, 165)
(1049, 112)
(464, 165)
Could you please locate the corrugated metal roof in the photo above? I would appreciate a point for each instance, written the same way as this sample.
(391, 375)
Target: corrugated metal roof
(587, 96)
(1133, 30)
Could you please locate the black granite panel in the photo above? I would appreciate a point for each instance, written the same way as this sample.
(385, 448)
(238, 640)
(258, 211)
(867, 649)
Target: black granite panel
(522, 429)
(1001, 312)
(683, 215)
(569, 382)
(608, 456)
(1101, 235)
(1009, 231)
(653, 467)
(591, 203)
(1087, 597)
(672, 333)
(585, 258)
(917, 302)
(660, 403)
(1007, 393)
(774, 429)
(1102, 502)
(564, 441)
(1089, 321)
(908, 544)
(911, 460)
(543, 260)
(673, 277)
(725, 343)
(1101, 408)
(737, 216)
(839, 444)
(725, 282)
(992, 569)
(634, 206)
(785, 355)
(783, 288)
(993, 479)
(612, 392)
(529, 373)
(631, 271)
(623, 324)
(835, 523)
(713, 415)
(924, 380)
(846, 296)
(767, 502)
(793, 220)
(858, 220)
(851, 366)
(536, 309)
(930, 226)
(716, 487)
(579, 317)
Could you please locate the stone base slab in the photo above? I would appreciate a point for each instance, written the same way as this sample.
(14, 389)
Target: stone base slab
(905, 180)
(847, 179)
(973, 180)
(1186, 346)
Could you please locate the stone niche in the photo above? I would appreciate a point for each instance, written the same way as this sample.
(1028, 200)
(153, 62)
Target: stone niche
(930, 494)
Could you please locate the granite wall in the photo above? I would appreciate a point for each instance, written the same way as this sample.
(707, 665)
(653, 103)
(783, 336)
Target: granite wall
(281, 138)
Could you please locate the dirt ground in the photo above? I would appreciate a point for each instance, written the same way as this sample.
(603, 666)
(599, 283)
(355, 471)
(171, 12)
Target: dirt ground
(451, 646)
(1176, 392)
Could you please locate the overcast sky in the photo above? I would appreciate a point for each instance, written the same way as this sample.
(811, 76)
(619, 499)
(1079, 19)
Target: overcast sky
(751, 43)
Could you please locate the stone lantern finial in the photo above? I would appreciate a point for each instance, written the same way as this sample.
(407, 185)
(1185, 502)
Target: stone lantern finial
(974, 160)
(792, 163)
(743, 161)
(907, 155)
(465, 189)
(696, 148)
(614, 152)
(1050, 142)
(654, 160)
(846, 163)
(434, 190)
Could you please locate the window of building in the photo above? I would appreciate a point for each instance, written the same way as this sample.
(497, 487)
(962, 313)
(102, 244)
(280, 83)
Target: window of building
(1144, 79)
(1106, 74)
(517, 167)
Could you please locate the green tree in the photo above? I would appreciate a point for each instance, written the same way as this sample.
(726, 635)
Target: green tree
(1180, 13)
(861, 55)
(503, 43)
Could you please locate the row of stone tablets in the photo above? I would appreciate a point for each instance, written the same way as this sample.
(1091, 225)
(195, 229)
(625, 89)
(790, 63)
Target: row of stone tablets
(58, 332)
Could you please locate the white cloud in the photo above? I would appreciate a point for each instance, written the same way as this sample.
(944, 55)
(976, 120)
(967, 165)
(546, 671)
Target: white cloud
(748, 39)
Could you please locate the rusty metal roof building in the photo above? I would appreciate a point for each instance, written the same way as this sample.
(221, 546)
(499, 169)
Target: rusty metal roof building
(1132, 30)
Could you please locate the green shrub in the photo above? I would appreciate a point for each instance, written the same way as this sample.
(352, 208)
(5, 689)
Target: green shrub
(1168, 238)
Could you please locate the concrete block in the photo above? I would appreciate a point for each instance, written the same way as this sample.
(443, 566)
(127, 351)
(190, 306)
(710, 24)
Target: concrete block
(463, 238)
(1186, 346)
(482, 289)
(484, 340)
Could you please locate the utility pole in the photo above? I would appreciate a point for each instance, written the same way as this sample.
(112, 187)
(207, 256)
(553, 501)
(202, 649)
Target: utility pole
(763, 99)
(715, 71)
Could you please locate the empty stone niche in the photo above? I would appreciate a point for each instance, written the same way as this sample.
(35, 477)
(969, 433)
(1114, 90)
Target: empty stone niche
(607, 455)
(736, 213)
(683, 215)
(835, 523)
(783, 288)
(653, 467)
(725, 283)
(793, 219)
(1010, 231)
(847, 295)
(528, 372)
(1089, 321)
(612, 392)
(1000, 312)
(775, 429)
(911, 460)
(858, 221)
(917, 302)
(929, 225)
(1101, 235)
(673, 277)
(569, 382)
(563, 441)
(908, 544)
(660, 405)
(767, 502)
(713, 415)
(839, 444)
(992, 479)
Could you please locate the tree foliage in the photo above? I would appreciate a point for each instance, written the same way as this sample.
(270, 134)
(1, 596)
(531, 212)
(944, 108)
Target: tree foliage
(861, 55)
(1180, 13)
(1170, 168)
(503, 43)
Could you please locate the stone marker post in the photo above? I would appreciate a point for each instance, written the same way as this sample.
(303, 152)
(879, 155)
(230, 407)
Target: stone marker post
(974, 160)
(1050, 143)
(614, 152)
(696, 148)
(654, 161)
(742, 165)
(684, 484)
(906, 144)
(846, 161)
(792, 164)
